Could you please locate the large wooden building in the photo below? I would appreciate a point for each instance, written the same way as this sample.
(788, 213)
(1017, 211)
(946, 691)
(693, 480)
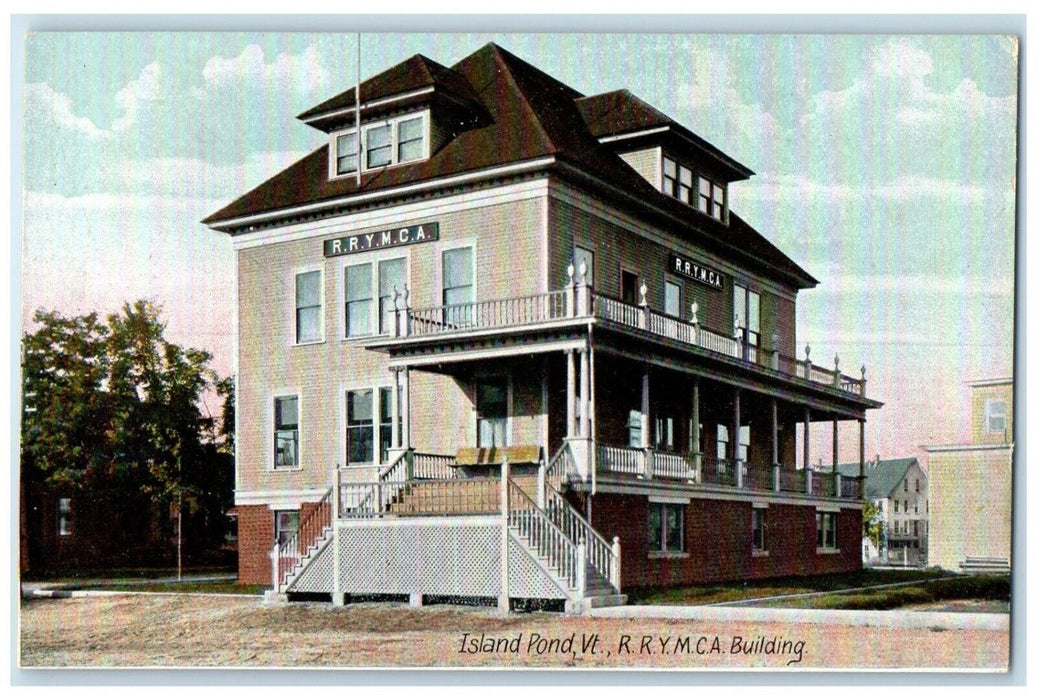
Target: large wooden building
(510, 341)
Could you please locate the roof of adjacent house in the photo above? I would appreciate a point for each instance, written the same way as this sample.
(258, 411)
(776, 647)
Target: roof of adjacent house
(882, 477)
(531, 117)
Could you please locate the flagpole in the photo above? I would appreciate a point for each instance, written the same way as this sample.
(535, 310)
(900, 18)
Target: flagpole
(359, 155)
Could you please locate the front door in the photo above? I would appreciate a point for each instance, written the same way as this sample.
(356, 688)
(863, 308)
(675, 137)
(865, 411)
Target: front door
(491, 405)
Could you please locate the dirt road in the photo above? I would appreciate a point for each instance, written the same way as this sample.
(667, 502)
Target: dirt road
(164, 631)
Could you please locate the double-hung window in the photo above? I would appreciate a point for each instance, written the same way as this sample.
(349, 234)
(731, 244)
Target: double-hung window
(361, 282)
(759, 521)
(358, 300)
(286, 525)
(665, 527)
(677, 180)
(64, 516)
(995, 416)
(634, 423)
(308, 307)
(458, 285)
(722, 442)
(286, 431)
(391, 275)
(747, 315)
(360, 425)
(491, 403)
(346, 153)
(826, 530)
(672, 302)
(711, 198)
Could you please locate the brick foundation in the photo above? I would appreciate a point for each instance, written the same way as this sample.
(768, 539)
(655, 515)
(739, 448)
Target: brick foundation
(718, 542)
(256, 539)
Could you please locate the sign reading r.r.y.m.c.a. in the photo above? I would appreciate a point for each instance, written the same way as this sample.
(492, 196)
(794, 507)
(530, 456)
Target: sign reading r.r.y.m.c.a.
(389, 238)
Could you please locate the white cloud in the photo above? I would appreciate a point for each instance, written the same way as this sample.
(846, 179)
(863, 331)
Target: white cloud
(44, 104)
(146, 88)
(251, 66)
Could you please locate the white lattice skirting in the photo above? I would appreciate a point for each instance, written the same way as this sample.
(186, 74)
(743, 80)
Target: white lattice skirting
(430, 556)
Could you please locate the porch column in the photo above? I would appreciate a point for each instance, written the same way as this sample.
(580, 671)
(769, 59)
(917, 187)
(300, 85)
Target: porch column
(570, 394)
(646, 422)
(405, 427)
(396, 440)
(806, 437)
(861, 424)
(774, 432)
(736, 439)
(696, 437)
(585, 393)
(775, 456)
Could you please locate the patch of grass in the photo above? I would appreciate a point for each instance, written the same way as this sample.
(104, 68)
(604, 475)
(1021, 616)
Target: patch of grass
(993, 588)
(763, 588)
(133, 572)
(179, 587)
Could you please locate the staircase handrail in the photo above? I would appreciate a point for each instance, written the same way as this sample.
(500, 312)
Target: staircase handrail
(551, 543)
(560, 467)
(311, 529)
(600, 554)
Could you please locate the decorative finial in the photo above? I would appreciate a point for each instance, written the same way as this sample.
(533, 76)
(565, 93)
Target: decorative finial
(406, 296)
(644, 294)
(570, 270)
(583, 272)
(864, 371)
(395, 297)
(694, 312)
(837, 362)
(808, 351)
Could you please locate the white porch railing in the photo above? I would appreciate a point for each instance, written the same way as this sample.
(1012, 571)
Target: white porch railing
(545, 537)
(672, 466)
(622, 460)
(611, 309)
(561, 467)
(493, 313)
(289, 554)
(430, 466)
(601, 555)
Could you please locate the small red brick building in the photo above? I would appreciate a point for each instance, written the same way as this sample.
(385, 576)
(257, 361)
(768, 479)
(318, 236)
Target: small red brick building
(498, 338)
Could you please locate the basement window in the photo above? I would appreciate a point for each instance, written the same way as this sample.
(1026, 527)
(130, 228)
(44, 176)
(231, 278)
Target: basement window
(665, 528)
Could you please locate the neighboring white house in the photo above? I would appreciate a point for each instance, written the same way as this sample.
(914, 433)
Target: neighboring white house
(900, 489)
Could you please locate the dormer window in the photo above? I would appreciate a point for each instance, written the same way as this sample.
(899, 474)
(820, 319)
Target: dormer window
(711, 198)
(383, 143)
(698, 191)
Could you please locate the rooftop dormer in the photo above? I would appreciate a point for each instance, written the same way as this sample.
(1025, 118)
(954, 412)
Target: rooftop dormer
(673, 159)
(407, 113)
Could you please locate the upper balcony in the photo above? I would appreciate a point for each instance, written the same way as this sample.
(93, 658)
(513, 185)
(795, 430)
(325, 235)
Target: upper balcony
(578, 305)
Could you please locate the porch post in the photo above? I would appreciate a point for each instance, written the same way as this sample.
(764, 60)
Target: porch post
(696, 437)
(646, 424)
(835, 442)
(504, 599)
(396, 437)
(736, 438)
(585, 392)
(570, 394)
(337, 598)
(775, 457)
(806, 437)
(405, 437)
(860, 482)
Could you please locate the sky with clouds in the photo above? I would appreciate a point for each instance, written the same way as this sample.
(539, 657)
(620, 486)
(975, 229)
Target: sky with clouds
(885, 166)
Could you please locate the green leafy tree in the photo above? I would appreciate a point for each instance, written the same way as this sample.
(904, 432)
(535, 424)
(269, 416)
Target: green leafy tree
(114, 410)
(874, 525)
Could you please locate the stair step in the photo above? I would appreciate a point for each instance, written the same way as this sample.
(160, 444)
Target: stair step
(604, 601)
